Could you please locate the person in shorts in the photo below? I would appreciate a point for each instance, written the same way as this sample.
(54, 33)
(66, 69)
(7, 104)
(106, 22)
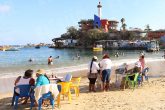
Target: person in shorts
(105, 65)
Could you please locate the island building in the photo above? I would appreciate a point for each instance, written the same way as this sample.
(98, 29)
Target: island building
(156, 34)
(98, 22)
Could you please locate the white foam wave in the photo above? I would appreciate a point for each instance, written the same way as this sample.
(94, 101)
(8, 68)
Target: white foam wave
(81, 67)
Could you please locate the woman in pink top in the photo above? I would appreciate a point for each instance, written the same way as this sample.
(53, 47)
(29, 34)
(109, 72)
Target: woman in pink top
(142, 61)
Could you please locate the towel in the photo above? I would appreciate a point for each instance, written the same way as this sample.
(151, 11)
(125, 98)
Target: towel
(40, 90)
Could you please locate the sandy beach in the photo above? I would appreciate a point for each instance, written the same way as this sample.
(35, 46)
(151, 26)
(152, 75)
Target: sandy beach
(150, 96)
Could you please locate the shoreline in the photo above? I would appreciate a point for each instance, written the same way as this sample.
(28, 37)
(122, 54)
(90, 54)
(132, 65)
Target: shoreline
(81, 67)
(7, 83)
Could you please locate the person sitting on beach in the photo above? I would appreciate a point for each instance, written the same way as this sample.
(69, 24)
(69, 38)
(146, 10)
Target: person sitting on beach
(42, 79)
(105, 65)
(136, 69)
(93, 72)
(24, 80)
(122, 69)
(50, 60)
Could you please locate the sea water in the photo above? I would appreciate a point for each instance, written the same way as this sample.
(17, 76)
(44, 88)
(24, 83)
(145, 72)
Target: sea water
(16, 62)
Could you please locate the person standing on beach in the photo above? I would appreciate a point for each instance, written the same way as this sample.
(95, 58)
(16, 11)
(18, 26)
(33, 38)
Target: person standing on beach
(142, 61)
(105, 65)
(164, 54)
(93, 72)
(50, 60)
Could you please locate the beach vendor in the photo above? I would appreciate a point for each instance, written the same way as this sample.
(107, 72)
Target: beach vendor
(42, 79)
(93, 69)
(50, 60)
(24, 80)
(105, 65)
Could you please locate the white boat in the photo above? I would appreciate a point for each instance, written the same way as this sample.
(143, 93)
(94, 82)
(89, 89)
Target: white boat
(12, 49)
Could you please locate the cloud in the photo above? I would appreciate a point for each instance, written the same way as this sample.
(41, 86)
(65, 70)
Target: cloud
(4, 8)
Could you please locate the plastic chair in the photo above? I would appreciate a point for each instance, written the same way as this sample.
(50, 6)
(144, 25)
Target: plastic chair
(131, 83)
(46, 96)
(68, 78)
(75, 85)
(65, 90)
(24, 91)
(144, 73)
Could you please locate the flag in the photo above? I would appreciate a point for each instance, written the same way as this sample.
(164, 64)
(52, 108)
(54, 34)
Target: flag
(97, 22)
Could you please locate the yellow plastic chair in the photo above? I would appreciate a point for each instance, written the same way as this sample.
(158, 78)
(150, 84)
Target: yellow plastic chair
(65, 91)
(75, 85)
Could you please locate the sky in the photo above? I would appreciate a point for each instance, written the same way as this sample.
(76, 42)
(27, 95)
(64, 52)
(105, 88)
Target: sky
(35, 21)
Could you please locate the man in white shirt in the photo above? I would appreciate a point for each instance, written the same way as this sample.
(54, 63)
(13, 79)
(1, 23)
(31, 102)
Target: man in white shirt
(105, 65)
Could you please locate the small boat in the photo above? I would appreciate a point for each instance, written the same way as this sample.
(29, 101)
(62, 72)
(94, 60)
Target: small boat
(37, 47)
(4, 48)
(12, 49)
(98, 48)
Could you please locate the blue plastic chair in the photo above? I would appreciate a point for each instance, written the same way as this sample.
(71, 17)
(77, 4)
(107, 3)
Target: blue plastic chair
(25, 91)
(68, 78)
(46, 96)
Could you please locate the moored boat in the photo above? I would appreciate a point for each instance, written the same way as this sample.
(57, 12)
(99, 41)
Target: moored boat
(37, 47)
(98, 48)
(12, 49)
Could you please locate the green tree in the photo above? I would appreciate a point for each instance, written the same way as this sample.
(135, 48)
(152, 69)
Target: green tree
(72, 32)
(123, 24)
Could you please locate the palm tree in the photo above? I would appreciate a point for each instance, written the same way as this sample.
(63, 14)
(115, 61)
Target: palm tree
(123, 24)
(124, 27)
(122, 20)
(147, 29)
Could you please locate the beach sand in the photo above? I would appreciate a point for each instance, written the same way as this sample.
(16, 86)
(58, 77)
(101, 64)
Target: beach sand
(150, 96)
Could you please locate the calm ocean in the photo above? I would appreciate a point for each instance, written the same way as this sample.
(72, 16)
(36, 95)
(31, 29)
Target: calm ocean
(13, 62)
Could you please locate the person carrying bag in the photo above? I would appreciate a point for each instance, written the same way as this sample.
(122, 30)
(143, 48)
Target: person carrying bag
(92, 74)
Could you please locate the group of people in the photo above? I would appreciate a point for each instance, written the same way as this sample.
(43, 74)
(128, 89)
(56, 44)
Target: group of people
(102, 71)
(27, 79)
(50, 60)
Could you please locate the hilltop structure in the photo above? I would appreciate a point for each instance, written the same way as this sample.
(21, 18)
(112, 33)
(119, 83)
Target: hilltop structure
(98, 22)
(105, 32)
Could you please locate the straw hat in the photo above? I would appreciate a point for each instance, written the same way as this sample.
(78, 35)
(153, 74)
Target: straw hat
(40, 71)
(95, 57)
